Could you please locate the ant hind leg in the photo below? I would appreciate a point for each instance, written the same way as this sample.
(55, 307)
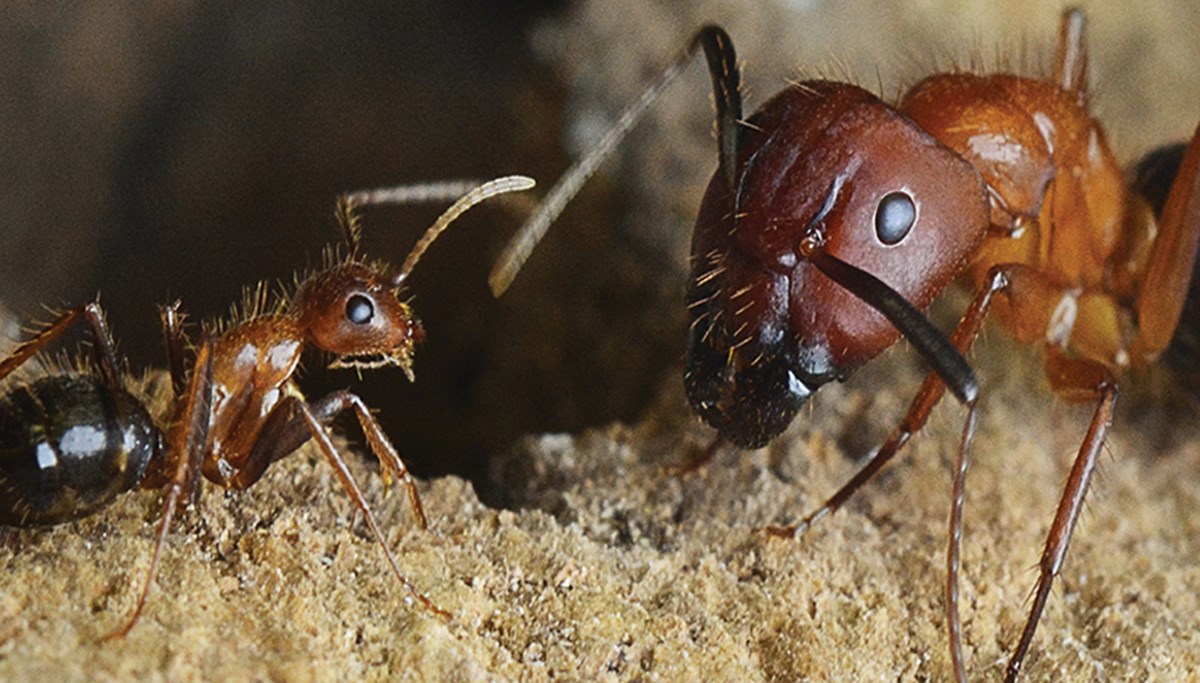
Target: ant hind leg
(104, 353)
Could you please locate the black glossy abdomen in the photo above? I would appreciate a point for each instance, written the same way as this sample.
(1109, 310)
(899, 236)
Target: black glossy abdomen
(68, 446)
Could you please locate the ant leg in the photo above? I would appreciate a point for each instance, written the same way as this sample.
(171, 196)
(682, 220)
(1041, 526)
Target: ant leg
(1164, 286)
(1024, 288)
(173, 341)
(1070, 63)
(317, 430)
(293, 422)
(393, 468)
(930, 393)
(1075, 379)
(722, 65)
(286, 429)
(283, 431)
(105, 354)
(931, 389)
(186, 438)
(998, 280)
(698, 460)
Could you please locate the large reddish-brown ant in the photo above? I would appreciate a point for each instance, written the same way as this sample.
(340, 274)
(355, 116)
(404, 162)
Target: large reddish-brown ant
(72, 440)
(835, 218)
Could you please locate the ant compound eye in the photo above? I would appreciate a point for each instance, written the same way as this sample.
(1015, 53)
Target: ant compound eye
(894, 217)
(359, 309)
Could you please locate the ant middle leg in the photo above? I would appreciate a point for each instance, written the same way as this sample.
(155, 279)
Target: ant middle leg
(176, 473)
(1074, 379)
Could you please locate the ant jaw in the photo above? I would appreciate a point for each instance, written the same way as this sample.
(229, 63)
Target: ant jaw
(401, 359)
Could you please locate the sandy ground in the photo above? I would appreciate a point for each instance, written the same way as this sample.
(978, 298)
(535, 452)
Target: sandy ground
(592, 564)
(605, 568)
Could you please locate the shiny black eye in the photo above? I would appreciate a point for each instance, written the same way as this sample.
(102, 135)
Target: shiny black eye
(894, 217)
(359, 309)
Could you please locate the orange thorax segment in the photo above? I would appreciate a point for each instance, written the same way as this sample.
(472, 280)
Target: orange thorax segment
(253, 366)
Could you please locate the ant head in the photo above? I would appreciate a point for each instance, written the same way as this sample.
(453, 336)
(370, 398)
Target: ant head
(830, 165)
(353, 310)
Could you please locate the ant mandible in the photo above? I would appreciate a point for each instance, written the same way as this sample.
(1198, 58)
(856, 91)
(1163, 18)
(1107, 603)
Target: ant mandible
(835, 218)
(73, 440)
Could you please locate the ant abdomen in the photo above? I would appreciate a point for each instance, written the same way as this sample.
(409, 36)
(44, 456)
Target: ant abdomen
(68, 446)
(1152, 176)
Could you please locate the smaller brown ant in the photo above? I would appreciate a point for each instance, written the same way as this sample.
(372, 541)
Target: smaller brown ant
(835, 218)
(72, 440)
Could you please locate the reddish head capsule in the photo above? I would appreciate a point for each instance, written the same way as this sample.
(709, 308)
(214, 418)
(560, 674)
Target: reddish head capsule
(830, 163)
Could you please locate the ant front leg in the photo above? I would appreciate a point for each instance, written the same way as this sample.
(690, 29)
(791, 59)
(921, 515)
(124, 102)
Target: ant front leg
(286, 429)
(1000, 279)
(375, 437)
(293, 422)
(105, 356)
(931, 391)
